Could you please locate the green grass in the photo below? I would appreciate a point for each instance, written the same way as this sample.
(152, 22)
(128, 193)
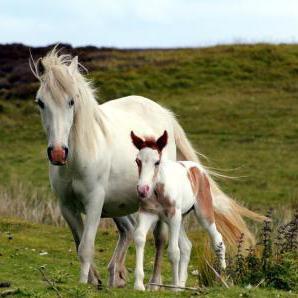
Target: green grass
(20, 260)
(238, 105)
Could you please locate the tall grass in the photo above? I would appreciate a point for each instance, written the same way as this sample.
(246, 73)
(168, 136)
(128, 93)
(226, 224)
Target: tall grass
(271, 263)
(34, 204)
(30, 203)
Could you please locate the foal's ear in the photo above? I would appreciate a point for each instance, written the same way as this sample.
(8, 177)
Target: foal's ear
(162, 141)
(73, 66)
(138, 142)
(40, 67)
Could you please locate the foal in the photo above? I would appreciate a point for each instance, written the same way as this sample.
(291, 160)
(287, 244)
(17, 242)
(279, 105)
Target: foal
(167, 191)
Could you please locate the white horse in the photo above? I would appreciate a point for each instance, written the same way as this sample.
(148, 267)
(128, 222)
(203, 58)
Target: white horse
(91, 160)
(168, 190)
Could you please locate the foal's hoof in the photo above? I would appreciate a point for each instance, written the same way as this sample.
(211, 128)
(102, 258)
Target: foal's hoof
(151, 287)
(139, 287)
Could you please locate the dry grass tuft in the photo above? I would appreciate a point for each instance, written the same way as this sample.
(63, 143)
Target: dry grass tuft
(34, 204)
(29, 203)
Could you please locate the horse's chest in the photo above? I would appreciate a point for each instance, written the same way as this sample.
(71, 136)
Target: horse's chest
(160, 203)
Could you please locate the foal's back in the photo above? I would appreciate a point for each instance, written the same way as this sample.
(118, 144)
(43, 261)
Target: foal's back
(177, 178)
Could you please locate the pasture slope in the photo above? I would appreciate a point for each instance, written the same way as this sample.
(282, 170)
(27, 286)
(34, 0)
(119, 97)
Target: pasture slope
(27, 248)
(237, 103)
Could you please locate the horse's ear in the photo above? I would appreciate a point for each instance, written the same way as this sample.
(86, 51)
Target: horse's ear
(73, 66)
(162, 141)
(40, 67)
(138, 142)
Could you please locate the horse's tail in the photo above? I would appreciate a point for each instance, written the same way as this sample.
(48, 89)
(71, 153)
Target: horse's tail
(229, 218)
(228, 213)
(185, 151)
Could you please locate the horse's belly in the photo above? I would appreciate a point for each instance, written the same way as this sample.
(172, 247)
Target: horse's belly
(120, 201)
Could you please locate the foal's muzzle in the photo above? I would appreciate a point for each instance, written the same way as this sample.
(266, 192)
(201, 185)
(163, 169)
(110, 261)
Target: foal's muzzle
(57, 155)
(143, 191)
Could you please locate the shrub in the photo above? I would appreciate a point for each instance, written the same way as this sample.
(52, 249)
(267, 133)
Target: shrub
(272, 263)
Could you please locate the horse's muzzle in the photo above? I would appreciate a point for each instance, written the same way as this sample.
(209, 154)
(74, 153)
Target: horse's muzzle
(57, 155)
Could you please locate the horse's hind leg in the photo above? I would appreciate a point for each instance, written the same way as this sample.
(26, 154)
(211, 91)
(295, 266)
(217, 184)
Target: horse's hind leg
(74, 221)
(117, 270)
(160, 236)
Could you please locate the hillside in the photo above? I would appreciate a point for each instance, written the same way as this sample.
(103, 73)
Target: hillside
(238, 104)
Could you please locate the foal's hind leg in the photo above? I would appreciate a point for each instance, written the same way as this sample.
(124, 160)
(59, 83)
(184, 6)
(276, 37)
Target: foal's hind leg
(205, 212)
(160, 236)
(173, 249)
(117, 270)
(185, 252)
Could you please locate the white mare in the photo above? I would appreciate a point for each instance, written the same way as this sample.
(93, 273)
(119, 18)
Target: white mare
(168, 191)
(92, 158)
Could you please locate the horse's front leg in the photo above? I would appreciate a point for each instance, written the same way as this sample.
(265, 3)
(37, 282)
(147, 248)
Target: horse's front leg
(145, 221)
(75, 223)
(117, 270)
(93, 207)
(160, 237)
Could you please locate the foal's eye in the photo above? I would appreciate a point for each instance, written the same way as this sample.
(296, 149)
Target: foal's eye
(71, 103)
(157, 163)
(40, 103)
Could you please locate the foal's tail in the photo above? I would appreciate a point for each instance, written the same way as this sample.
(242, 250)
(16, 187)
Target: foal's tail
(228, 213)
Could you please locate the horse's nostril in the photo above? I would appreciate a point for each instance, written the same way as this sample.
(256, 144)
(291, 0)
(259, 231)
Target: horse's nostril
(66, 151)
(57, 154)
(49, 150)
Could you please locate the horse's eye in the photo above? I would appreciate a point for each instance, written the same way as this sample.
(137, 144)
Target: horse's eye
(71, 103)
(157, 163)
(40, 103)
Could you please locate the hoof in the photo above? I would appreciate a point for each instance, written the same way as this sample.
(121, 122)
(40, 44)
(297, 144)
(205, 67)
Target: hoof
(139, 287)
(153, 287)
(118, 279)
(94, 279)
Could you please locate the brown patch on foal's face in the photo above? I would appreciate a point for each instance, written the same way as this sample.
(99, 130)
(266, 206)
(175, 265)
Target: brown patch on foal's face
(201, 189)
(159, 203)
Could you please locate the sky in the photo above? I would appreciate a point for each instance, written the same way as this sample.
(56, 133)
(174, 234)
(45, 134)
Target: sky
(148, 23)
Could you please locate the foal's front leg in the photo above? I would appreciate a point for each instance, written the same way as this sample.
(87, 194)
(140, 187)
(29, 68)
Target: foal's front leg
(145, 221)
(93, 207)
(173, 249)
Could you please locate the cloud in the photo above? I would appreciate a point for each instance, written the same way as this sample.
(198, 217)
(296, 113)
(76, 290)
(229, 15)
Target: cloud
(147, 23)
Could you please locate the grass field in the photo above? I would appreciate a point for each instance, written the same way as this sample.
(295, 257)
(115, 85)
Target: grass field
(238, 105)
(20, 261)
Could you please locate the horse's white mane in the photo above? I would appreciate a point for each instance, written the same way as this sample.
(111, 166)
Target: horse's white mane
(62, 78)
(61, 75)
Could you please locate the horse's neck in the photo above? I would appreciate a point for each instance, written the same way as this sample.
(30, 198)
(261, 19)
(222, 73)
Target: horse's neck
(88, 130)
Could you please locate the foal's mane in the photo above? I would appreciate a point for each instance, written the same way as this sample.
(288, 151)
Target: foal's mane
(150, 142)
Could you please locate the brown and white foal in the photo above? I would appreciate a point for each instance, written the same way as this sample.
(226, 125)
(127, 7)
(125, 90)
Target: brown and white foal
(168, 190)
